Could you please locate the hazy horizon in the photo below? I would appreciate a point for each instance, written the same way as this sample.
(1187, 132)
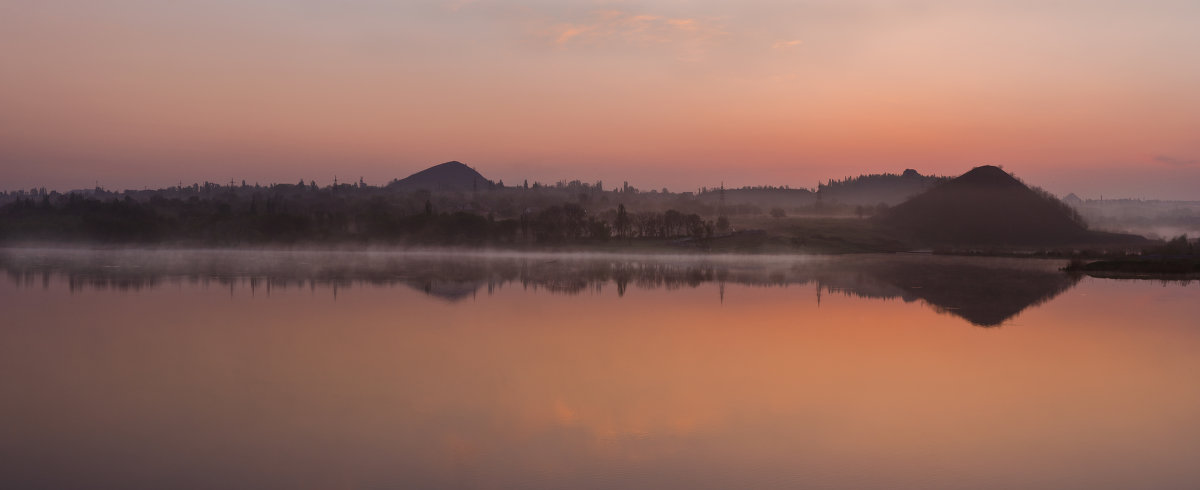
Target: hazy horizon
(1075, 97)
(610, 185)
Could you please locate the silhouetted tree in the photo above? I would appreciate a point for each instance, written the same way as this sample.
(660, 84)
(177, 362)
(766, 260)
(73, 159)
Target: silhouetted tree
(622, 221)
(722, 224)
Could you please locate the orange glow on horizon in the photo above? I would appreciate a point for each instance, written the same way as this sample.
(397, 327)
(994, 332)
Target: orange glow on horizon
(1073, 96)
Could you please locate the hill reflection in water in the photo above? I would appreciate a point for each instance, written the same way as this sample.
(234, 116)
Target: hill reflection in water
(984, 292)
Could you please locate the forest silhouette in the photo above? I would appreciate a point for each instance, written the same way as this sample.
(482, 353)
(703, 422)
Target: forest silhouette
(453, 204)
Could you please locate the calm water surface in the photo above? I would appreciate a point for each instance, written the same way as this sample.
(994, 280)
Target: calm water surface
(375, 370)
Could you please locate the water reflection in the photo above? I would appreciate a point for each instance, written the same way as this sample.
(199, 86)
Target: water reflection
(559, 381)
(984, 292)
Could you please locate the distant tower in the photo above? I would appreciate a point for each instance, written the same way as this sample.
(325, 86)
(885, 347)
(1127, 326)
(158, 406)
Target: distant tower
(721, 205)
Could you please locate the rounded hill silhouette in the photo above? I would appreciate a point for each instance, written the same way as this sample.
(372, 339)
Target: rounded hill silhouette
(454, 176)
(987, 206)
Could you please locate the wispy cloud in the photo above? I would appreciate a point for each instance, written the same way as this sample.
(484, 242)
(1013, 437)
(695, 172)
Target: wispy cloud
(690, 36)
(1178, 162)
(787, 44)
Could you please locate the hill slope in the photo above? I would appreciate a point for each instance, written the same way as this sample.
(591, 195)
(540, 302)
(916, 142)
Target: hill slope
(987, 206)
(454, 176)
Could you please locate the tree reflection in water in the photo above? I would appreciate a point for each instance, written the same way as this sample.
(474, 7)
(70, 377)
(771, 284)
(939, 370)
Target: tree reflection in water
(983, 291)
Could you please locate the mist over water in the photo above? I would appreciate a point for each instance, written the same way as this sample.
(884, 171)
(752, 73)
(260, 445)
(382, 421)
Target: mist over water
(435, 369)
(948, 284)
(1152, 219)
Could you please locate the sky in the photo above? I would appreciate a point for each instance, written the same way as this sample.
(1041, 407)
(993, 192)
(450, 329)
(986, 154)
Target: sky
(1096, 97)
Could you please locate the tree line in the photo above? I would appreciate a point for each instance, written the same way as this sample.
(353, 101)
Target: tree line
(287, 218)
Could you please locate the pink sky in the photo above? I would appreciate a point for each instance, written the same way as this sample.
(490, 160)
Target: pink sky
(1075, 96)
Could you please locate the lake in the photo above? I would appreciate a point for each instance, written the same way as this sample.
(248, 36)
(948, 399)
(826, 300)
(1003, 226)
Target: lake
(308, 369)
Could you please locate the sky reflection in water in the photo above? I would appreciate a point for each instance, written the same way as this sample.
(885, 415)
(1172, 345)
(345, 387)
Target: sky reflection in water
(472, 373)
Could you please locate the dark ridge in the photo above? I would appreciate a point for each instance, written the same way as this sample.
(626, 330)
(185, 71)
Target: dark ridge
(875, 189)
(454, 176)
(989, 207)
(989, 176)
